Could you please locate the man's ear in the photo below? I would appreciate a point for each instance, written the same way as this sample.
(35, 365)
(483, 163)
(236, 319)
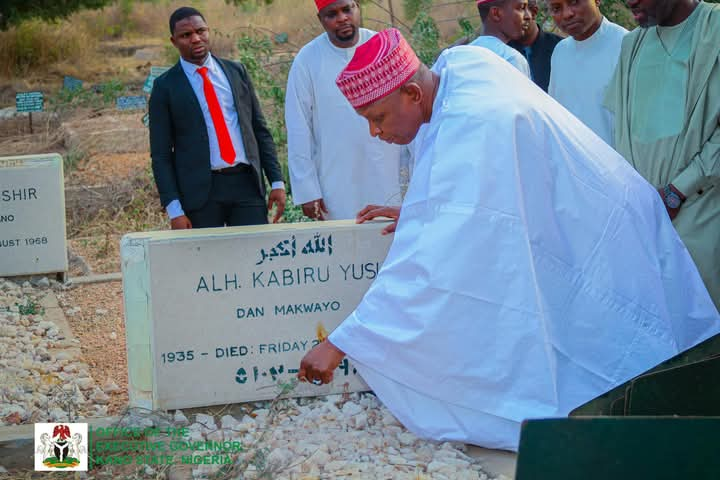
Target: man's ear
(413, 91)
(495, 14)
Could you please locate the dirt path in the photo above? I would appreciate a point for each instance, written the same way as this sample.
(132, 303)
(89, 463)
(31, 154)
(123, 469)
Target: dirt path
(95, 315)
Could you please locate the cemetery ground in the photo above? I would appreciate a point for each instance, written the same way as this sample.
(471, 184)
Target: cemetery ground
(62, 345)
(63, 354)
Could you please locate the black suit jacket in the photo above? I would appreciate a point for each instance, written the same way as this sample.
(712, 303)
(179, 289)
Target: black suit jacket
(542, 50)
(179, 144)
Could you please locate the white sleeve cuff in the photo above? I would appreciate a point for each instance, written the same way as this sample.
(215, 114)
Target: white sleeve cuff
(276, 185)
(174, 209)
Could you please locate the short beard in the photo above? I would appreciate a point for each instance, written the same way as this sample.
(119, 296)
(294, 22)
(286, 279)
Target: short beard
(348, 38)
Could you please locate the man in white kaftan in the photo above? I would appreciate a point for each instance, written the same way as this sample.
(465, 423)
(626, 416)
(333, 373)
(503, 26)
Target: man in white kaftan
(583, 63)
(336, 167)
(532, 268)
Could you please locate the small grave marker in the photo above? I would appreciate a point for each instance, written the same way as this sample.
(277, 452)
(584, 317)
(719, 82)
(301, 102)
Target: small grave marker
(136, 102)
(154, 73)
(72, 83)
(32, 215)
(29, 101)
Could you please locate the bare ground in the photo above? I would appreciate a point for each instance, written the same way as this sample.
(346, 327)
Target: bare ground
(100, 327)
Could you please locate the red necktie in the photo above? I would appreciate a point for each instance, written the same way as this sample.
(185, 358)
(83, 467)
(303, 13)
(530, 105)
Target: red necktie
(227, 151)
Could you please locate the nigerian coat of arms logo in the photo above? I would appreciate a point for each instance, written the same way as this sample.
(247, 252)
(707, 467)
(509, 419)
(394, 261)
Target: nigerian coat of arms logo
(61, 447)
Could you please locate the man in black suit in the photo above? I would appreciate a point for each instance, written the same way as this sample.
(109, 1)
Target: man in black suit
(537, 46)
(208, 139)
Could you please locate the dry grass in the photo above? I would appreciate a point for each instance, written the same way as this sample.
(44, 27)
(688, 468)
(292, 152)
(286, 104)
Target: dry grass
(98, 45)
(35, 45)
(142, 20)
(128, 205)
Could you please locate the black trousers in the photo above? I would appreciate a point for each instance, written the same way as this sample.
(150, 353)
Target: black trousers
(234, 200)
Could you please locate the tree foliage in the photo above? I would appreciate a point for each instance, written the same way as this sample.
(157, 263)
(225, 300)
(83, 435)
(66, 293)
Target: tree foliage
(412, 8)
(617, 12)
(425, 38)
(13, 12)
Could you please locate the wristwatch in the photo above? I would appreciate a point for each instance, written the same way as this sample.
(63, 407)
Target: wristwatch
(671, 199)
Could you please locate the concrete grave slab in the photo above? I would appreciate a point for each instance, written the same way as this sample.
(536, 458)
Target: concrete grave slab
(218, 316)
(32, 215)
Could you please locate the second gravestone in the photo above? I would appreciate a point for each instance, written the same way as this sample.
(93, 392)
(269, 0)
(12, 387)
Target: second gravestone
(218, 316)
(32, 215)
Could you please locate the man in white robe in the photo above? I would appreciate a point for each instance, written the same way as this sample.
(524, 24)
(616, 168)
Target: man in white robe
(503, 21)
(336, 168)
(583, 64)
(532, 268)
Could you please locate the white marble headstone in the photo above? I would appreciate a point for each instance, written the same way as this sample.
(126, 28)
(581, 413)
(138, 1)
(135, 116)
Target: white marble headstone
(219, 316)
(32, 215)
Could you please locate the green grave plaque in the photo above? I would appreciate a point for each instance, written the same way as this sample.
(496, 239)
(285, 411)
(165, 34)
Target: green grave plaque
(29, 101)
(136, 102)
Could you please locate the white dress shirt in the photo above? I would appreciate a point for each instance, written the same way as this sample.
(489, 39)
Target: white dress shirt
(227, 104)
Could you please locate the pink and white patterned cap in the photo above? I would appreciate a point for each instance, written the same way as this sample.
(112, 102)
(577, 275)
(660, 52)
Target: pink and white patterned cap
(379, 67)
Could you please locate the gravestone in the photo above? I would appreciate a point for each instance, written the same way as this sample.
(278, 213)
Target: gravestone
(135, 102)
(156, 71)
(72, 83)
(29, 101)
(147, 86)
(150, 80)
(216, 316)
(32, 215)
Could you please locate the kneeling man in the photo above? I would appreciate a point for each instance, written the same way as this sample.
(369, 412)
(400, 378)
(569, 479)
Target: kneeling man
(532, 268)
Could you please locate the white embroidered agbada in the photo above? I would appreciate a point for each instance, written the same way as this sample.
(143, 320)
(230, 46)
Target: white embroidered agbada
(331, 154)
(532, 268)
(504, 51)
(580, 73)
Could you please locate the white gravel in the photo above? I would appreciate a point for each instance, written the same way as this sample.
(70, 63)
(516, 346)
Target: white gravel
(42, 378)
(338, 436)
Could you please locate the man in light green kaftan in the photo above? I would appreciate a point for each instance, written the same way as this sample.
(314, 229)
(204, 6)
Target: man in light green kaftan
(666, 98)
